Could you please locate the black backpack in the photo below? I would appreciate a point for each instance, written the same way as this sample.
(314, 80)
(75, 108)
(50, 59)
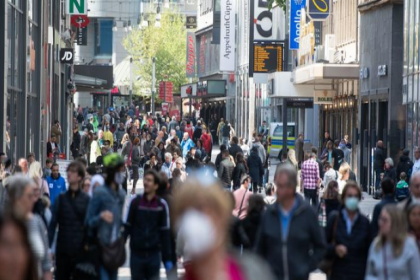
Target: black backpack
(226, 130)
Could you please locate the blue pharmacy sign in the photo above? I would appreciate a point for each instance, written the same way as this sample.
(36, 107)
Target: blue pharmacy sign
(318, 10)
(295, 15)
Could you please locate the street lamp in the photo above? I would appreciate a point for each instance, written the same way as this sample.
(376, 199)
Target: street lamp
(153, 84)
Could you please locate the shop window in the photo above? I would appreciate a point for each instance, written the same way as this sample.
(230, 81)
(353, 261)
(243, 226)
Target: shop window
(103, 37)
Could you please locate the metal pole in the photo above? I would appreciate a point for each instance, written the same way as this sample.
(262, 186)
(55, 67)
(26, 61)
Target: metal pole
(153, 85)
(131, 82)
(284, 126)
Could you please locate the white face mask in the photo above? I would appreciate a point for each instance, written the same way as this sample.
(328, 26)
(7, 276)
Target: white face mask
(198, 233)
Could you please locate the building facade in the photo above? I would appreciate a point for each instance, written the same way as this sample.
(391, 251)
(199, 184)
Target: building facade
(382, 113)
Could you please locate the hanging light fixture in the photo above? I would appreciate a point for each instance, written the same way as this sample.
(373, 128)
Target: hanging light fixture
(114, 27)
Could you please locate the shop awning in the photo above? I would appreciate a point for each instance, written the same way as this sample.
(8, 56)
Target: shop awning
(93, 77)
(325, 74)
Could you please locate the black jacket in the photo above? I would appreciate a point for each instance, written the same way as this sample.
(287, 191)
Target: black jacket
(75, 145)
(405, 165)
(219, 159)
(379, 158)
(353, 265)
(148, 226)
(391, 174)
(256, 170)
(234, 149)
(388, 199)
(245, 231)
(69, 214)
(238, 171)
(302, 250)
(197, 133)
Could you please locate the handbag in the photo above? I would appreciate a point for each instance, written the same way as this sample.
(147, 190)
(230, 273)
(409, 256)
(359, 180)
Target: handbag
(113, 254)
(327, 264)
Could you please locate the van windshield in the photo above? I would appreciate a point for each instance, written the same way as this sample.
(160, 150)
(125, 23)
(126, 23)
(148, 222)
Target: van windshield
(278, 131)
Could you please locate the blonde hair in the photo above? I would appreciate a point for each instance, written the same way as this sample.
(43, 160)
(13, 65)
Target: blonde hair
(196, 194)
(35, 171)
(398, 233)
(344, 169)
(125, 138)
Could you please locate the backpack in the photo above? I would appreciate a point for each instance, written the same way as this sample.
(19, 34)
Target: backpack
(226, 131)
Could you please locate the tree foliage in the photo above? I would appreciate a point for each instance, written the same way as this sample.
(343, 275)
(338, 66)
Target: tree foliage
(280, 3)
(167, 44)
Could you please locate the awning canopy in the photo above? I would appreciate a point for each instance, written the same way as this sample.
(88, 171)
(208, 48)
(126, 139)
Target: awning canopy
(93, 77)
(325, 74)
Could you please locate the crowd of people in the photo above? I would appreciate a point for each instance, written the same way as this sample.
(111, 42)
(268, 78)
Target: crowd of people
(220, 219)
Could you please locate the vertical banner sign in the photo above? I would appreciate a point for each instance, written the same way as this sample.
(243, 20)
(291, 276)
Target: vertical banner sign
(82, 36)
(191, 55)
(227, 35)
(76, 7)
(295, 15)
(319, 10)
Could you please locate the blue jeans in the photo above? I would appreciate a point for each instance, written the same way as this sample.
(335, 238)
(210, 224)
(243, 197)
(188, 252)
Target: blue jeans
(225, 141)
(108, 275)
(145, 267)
(378, 172)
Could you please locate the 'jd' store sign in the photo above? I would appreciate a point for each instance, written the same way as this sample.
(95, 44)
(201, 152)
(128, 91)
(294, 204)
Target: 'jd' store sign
(76, 7)
(318, 10)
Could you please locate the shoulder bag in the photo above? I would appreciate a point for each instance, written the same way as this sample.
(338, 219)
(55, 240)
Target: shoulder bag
(242, 202)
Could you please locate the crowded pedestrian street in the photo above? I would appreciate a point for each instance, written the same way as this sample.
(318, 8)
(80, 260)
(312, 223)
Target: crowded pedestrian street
(209, 140)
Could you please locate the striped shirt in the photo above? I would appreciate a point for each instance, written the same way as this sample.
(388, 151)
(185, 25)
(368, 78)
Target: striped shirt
(310, 174)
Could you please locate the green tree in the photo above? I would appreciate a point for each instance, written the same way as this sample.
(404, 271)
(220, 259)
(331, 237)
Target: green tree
(167, 44)
(280, 3)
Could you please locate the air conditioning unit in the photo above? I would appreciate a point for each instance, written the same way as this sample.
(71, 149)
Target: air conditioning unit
(329, 47)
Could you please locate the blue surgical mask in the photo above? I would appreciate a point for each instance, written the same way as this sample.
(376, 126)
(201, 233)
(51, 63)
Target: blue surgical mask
(352, 203)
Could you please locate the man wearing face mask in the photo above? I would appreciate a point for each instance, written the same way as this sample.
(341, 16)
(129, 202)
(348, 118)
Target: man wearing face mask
(104, 214)
(148, 226)
(289, 234)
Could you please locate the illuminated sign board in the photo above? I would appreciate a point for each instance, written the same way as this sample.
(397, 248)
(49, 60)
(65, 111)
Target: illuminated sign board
(318, 10)
(268, 57)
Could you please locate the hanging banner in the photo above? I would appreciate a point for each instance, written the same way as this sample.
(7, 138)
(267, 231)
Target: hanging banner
(294, 29)
(191, 55)
(319, 10)
(227, 35)
(82, 36)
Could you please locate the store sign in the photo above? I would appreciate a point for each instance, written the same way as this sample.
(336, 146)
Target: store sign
(294, 25)
(82, 36)
(76, 7)
(324, 96)
(191, 5)
(191, 55)
(263, 21)
(188, 90)
(319, 10)
(300, 103)
(80, 21)
(191, 22)
(66, 56)
(227, 35)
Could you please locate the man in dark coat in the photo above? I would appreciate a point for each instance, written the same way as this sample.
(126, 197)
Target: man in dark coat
(378, 163)
(69, 215)
(388, 197)
(234, 148)
(256, 169)
(405, 165)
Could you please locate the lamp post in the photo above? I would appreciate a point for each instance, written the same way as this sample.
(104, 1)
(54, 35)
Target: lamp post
(130, 99)
(153, 85)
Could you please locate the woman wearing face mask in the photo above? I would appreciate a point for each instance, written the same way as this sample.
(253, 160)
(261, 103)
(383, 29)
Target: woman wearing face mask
(348, 237)
(202, 215)
(393, 255)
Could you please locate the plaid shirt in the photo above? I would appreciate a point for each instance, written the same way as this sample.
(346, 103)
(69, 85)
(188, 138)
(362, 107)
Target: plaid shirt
(310, 174)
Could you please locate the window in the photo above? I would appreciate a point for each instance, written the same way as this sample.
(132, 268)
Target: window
(103, 37)
(278, 131)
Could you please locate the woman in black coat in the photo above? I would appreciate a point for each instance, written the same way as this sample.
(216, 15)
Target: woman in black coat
(240, 169)
(348, 246)
(256, 170)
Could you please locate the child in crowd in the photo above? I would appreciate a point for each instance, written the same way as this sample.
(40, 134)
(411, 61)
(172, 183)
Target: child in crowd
(402, 191)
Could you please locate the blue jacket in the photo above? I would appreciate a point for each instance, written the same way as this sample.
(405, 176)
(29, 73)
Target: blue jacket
(56, 186)
(186, 146)
(104, 198)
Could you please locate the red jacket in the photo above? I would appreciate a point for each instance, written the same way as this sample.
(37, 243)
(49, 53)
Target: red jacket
(206, 142)
(188, 128)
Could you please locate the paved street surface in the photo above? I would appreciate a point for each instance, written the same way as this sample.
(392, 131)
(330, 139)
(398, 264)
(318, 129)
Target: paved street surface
(366, 207)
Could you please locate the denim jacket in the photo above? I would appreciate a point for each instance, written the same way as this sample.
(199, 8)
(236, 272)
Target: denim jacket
(104, 198)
